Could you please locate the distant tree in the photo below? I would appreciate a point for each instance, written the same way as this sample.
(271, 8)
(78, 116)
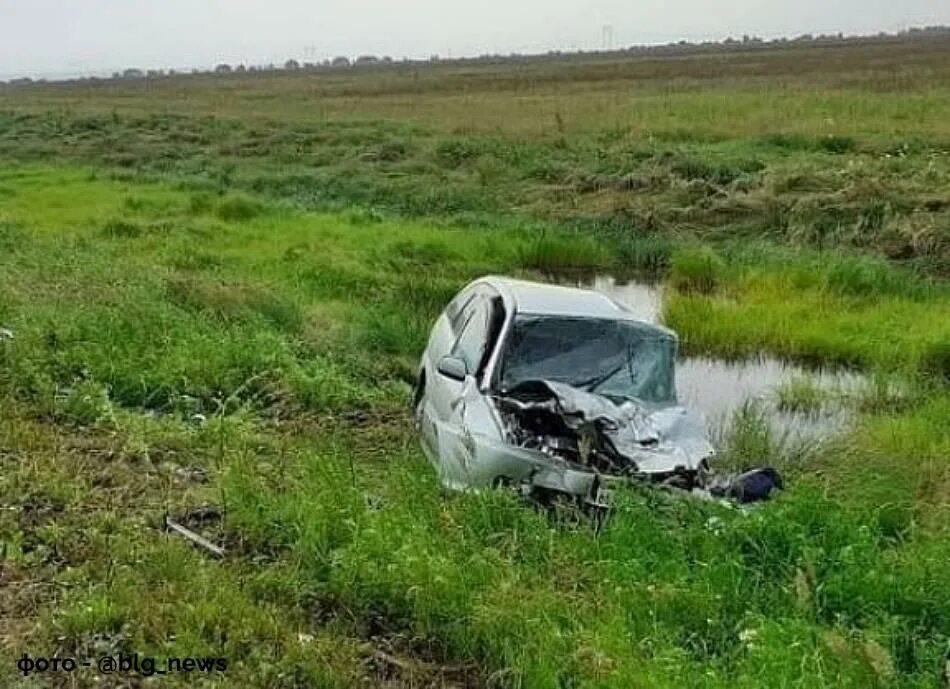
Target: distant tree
(341, 62)
(223, 69)
(116, 75)
(133, 73)
(291, 65)
(155, 73)
(364, 60)
(387, 60)
(23, 81)
(240, 69)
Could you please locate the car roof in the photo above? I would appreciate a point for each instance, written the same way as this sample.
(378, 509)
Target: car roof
(542, 299)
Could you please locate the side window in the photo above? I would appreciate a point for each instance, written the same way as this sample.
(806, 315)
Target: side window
(470, 346)
(460, 309)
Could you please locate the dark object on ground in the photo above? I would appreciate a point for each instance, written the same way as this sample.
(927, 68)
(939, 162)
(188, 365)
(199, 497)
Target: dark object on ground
(755, 485)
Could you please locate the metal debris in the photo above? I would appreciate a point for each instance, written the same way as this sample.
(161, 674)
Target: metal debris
(591, 430)
(195, 538)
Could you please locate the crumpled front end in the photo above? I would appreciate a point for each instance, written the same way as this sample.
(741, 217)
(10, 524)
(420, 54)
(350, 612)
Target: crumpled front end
(568, 440)
(603, 436)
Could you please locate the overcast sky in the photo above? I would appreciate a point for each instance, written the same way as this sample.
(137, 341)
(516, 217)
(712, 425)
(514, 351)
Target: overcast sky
(71, 37)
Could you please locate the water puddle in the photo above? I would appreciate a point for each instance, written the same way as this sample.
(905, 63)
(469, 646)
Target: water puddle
(723, 389)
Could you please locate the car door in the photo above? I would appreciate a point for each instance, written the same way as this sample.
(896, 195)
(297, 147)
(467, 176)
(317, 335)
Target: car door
(455, 404)
(435, 391)
(442, 340)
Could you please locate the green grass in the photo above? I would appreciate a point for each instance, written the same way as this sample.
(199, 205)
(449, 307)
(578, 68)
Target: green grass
(557, 255)
(898, 322)
(220, 288)
(274, 350)
(796, 97)
(803, 395)
(696, 270)
(836, 156)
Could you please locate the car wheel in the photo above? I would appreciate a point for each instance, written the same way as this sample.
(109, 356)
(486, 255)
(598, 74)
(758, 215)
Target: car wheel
(419, 393)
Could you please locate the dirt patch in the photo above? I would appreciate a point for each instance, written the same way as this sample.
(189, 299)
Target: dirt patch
(37, 511)
(401, 667)
(21, 598)
(395, 657)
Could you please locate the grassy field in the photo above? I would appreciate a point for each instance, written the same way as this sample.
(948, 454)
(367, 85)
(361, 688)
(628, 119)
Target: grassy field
(218, 291)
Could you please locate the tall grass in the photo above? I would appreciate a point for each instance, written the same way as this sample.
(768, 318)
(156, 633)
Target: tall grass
(676, 587)
(556, 254)
(696, 270)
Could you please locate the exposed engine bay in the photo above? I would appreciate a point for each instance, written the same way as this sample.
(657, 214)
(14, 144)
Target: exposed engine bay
(579, 427)
(623, 438)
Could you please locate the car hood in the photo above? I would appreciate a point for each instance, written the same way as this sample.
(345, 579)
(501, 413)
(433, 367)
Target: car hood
(591, 429)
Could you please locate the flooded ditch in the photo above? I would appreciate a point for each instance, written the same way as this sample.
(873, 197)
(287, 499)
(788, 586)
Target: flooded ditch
(722, 389)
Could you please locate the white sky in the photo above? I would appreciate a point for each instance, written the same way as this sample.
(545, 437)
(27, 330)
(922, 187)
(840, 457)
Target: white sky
(71, 37)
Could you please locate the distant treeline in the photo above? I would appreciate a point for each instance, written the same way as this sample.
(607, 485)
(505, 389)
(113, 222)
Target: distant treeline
(744, 43)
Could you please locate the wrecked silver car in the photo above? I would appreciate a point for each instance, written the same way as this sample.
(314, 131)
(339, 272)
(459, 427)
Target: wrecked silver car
(560, 390)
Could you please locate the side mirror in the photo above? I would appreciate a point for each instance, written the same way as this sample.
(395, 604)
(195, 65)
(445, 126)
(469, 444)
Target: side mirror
(454, 368)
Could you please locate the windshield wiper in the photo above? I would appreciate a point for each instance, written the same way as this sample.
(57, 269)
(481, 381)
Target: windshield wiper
(592, 384)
